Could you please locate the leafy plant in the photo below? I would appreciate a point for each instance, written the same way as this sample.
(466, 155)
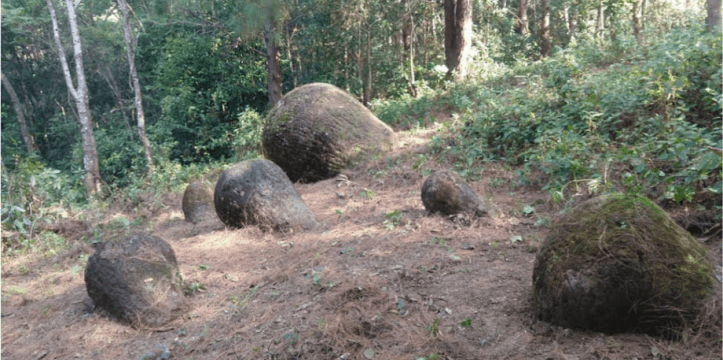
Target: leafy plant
(367, 194)
(194, 287)
(433, 329)
(392, 219)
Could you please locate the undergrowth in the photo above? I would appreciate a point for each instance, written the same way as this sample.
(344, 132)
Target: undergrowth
(649, 123)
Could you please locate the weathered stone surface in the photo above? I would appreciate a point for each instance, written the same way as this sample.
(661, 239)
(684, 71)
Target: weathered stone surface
(197, 202)
(618, 263)
(445, 192)
(136, 280)
(318, 129)
(258, 192)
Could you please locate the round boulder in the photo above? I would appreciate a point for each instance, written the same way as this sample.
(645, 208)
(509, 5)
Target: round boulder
(446, 192)
(619, 263)
(136, 280)
(197, 202)
(258, 192)
(318, 129)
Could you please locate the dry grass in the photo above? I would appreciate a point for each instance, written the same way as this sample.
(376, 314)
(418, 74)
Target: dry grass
(351, 285)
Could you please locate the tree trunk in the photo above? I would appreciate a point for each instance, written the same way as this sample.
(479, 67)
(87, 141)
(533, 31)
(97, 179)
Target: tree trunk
(522, 27)
(80, 95)
(272, 62)
(642, 14)
(457, 37)
(712, 20)
(107, 75)
(571, 23)
(138, 98)
(600, 23)
(29, 143)
(637, 21)
(367, 93)
(545, 28)
(290, 54)
(409, 46)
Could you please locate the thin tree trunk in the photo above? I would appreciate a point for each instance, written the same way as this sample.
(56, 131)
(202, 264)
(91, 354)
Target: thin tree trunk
(409, 46)
(572, 23)
(642, 14)
(290, 55)
(107, 75)
(712, 20)
(80, 95)
(346, 68)
(522, 27)
(600, 23)
(457, 37)
(637, 21)
(29, 143)
(367, 93)
(272, 62)
(545, 28)
(138, 98)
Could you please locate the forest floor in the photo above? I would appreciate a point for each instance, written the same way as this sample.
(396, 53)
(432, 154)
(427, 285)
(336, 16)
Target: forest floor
(379, 279)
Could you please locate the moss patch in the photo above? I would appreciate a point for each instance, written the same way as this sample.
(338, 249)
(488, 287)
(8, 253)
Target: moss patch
(317, 129)
(616, 263)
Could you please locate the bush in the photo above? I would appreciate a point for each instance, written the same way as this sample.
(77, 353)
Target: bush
(33, 193)
(647, 124)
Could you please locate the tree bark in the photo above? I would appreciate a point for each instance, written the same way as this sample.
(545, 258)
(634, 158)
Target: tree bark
(79, 94)
(712, 20)
(409, 46)
(290, 54)
(367, 93)
(138, 97)
(457, 37)
(545, 28)
(600, 23)
(272, 62)
(571, 20)
(522, 27)
(19, 110)
(637, 21)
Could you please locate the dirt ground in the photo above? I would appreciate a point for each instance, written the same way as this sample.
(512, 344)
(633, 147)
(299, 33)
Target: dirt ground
(379, 279)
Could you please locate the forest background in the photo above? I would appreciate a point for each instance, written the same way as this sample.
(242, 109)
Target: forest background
(607, 95)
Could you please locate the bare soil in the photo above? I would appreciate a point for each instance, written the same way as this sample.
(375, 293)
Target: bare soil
(380, 278)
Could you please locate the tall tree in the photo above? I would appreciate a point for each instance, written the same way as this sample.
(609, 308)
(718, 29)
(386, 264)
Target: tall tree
(522, 27)
(545, 28)
(19, 110)
(457, 37)
(712, 20)
(79, 94)
(138, 96)
(638, 20)
(273, 64)
(408, 40)
(600, 21)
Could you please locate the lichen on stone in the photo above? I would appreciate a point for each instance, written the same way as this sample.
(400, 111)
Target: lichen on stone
(617, 263)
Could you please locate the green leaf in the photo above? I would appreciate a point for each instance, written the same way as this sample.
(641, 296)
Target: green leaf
(515, 239)
(19, 225)
(203, 267)
(528, 210)
(466, 323)
(369, 354)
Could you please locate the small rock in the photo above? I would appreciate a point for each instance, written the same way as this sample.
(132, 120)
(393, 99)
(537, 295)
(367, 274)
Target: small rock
(165, 352)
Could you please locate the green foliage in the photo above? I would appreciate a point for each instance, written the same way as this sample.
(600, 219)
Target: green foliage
(392, 219)
(33, 193)
(654, 118)
(204, 88)
(247, 134)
